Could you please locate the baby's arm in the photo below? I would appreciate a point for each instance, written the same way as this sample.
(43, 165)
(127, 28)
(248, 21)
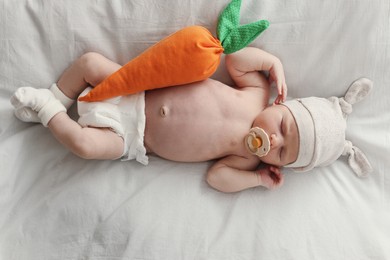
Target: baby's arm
(244, 67)
(234, 173)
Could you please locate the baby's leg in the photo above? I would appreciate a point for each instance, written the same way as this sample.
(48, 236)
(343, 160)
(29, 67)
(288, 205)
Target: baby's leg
(90, 69)
(47, 106)
(88, 143)
(91, 143)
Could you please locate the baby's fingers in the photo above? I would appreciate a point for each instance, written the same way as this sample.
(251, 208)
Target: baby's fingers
(282, 90)
(275, 170)
(276, 176)
(282, 93)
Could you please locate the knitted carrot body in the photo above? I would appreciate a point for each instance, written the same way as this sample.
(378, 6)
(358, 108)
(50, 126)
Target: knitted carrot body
(189, 55)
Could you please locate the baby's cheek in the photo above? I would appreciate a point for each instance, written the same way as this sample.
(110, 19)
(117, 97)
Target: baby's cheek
(271, 158)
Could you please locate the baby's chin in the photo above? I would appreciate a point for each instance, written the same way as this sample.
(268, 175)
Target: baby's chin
(272, 162)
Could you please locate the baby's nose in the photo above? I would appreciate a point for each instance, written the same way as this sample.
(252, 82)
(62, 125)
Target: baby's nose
(275, 141)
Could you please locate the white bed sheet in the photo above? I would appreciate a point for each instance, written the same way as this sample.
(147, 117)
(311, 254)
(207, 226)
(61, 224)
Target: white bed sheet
(54, 205)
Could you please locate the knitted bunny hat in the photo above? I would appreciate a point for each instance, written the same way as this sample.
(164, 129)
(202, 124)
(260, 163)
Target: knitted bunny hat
(321, 125)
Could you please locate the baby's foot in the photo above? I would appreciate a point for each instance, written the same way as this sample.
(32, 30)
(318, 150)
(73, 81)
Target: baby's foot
(40, 101)
(26, 114)
(22, 112)
(30, 97)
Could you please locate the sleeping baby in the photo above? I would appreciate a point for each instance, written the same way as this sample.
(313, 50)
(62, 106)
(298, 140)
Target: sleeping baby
(201, 121)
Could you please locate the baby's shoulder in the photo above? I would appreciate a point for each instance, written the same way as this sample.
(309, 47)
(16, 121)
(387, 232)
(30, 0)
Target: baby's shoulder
(255, 98)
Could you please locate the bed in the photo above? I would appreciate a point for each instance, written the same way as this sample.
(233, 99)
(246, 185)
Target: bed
(55, 205)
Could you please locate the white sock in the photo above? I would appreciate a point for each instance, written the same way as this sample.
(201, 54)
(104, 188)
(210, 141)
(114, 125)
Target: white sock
(27, 114)
(41, 101)
(67, 102)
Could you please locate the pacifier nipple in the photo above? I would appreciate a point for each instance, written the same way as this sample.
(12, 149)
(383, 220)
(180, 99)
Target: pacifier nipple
(257, 142)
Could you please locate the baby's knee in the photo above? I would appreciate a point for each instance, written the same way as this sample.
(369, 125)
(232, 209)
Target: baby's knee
(89, 63)
(88, 60)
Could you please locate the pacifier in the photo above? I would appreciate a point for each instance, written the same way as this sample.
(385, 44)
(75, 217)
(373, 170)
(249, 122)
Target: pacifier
(257, 142)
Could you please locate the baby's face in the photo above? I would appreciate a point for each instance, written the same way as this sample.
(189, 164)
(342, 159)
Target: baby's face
(278, 122)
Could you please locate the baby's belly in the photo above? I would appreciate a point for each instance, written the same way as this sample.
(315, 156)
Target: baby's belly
(189, 123)
(177, 142)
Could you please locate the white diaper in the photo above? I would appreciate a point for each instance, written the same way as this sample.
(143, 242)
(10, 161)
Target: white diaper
(124, 115)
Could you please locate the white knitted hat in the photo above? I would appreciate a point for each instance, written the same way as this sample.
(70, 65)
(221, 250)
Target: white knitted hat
(321, 125)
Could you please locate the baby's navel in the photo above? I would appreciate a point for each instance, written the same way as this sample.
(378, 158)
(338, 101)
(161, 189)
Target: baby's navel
(164, 111)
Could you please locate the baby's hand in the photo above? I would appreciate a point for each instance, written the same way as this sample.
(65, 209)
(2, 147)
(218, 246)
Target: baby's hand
(271, 177)
(276, 74)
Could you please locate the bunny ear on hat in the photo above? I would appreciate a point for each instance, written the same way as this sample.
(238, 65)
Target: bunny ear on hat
(356, 158)
(358, 90)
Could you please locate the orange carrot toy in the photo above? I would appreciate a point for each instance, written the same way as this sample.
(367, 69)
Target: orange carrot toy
(189, 55)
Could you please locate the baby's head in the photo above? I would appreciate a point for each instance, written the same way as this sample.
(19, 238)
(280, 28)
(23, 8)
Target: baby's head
(310, 132)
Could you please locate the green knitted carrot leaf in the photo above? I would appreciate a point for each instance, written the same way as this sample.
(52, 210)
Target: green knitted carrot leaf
(234, 36)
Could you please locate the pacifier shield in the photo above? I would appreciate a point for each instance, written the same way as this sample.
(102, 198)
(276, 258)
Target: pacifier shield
(257, 142)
